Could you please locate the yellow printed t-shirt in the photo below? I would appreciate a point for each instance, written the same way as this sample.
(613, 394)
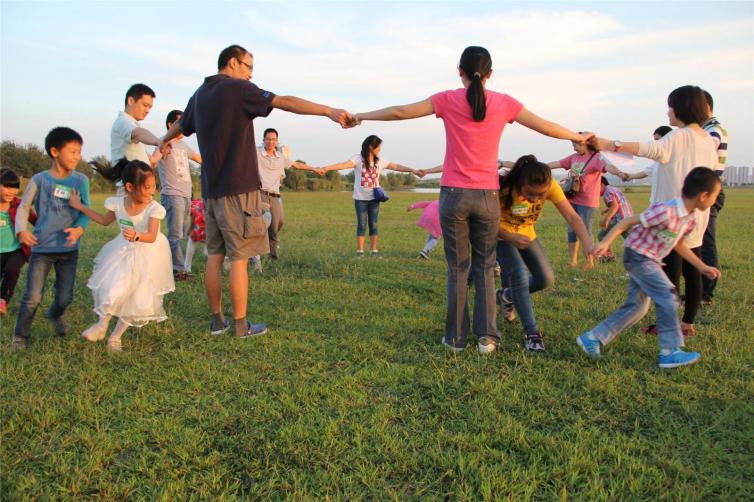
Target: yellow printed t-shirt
(523, 214)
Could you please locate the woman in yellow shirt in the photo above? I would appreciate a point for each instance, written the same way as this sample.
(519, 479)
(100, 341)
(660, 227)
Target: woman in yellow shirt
(526, 269)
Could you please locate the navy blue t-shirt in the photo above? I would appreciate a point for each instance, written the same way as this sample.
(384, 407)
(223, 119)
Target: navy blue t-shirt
(221, 113)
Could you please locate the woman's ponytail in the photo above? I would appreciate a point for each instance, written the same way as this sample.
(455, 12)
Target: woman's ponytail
(476, 64)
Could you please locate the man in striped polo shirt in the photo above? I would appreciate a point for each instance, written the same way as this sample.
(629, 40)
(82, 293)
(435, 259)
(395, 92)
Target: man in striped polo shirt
(709, 244)
(655, 233)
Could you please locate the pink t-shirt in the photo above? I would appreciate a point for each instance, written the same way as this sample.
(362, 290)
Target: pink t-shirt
(471, 148)
(591, 177)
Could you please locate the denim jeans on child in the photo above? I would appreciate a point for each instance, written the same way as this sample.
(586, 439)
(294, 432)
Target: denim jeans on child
(366, 210)
(177, 209)
(470, 217)
(586, 214)
(646, 280)
(525, 271)
(39, 267)
(430, 244)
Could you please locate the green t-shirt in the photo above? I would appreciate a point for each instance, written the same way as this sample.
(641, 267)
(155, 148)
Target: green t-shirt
(8, 241)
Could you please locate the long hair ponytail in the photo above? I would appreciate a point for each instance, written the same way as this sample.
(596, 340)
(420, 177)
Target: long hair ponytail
(526, 171)
(476, 63)
(127, 171)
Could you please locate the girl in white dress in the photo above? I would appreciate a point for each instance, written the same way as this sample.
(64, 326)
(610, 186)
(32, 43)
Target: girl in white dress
(133, 271)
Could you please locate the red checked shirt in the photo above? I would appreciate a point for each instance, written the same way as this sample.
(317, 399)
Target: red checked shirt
(662, 226)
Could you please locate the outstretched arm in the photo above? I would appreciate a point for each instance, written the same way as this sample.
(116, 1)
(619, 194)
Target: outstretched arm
(551, 129)
(403, 169)
(400, 112)
(618, 229)
(103, 219)
(348, 164)
(303, 107)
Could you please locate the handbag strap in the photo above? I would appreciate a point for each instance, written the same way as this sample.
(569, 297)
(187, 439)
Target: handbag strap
(587, 162)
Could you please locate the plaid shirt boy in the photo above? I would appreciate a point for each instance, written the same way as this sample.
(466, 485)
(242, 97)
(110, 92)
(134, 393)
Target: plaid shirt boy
(662, 226)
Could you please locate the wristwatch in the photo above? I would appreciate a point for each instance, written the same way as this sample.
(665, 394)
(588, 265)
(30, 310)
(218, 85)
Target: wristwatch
(137, 237)
(617, 145)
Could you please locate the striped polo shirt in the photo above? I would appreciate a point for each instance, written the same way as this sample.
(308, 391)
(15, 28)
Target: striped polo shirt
(662, 226)
(720, 135)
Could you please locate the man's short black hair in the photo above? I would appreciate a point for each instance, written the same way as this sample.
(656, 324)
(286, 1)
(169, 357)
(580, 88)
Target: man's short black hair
(699, 180)
(9, 179)
(59, 137)
(708, 99)
(136, 91)
(663, 130)
(234, 51)
(172, 117)
(270, 129)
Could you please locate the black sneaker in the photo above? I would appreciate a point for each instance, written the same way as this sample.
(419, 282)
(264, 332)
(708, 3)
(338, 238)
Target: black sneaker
(706, 300)
(506, 306)
(218, 328)
(534, 341)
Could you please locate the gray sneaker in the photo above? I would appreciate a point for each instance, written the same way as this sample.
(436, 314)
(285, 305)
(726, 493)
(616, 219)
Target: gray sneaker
(218, 328)
(451, 347)
(486, 345)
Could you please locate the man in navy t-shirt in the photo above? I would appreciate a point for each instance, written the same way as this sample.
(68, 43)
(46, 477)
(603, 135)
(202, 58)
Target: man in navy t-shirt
(221, 113)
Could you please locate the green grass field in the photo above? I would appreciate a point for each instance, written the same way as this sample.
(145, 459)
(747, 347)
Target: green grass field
(351, 396)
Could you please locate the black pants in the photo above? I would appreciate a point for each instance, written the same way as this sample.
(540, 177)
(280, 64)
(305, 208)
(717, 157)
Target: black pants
(10, 269)
(709, 246)
(674, 266)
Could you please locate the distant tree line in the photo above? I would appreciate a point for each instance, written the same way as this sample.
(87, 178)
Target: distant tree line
(27, 160)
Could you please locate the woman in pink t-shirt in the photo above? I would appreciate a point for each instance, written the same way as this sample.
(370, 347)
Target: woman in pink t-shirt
(474, 119)
(588, 165)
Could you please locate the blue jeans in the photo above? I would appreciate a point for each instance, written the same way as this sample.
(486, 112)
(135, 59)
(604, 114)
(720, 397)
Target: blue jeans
(587, 215)
(430, 244)
(177, 208)
(469, 218)
(646, 280)
(367, 210)
(525, 271)
(65, 275)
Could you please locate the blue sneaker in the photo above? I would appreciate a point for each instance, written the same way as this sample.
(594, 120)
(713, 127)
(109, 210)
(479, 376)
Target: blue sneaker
(679, 358)
(254, 330)
(589, 346)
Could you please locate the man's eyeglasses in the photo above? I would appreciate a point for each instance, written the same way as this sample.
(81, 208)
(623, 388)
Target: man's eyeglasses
(247, 65)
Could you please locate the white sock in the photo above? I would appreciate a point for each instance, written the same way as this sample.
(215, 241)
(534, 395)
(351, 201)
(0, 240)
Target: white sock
(667, 352)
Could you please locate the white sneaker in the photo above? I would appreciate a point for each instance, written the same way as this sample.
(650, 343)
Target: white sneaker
(486, 347)
(454, 349)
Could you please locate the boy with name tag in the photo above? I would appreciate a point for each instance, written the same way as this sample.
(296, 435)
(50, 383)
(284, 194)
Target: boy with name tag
(54, 241)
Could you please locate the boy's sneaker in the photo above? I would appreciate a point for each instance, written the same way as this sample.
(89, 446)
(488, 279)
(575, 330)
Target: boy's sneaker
(3, 307)
(589, 346)
(359, 253)
(534, 341)
(253, 330)
(486, 345)
(451, 347)
(375, 254)
(423, 254)
(19, 344)
(678, 358)
(219, 327)
(506, 305)
(60, 326)
(181, 276)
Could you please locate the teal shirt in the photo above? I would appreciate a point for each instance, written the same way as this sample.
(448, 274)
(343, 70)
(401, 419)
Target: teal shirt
(8, 241)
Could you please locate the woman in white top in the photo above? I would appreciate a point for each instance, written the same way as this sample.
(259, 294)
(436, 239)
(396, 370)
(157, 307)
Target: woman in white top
(677, 153)
(368, 167)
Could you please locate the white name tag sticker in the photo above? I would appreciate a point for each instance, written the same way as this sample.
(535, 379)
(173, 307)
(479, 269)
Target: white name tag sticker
(62, 192)
(520, 209)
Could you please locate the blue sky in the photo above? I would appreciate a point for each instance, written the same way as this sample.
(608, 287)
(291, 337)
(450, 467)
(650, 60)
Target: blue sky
(606, 66)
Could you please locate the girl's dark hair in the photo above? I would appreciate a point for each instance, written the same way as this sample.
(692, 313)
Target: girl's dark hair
(662, 130)
(476, 63)
(9, 178)
(526, 171)
(370, 141)
(688, 104)
(127, 171)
